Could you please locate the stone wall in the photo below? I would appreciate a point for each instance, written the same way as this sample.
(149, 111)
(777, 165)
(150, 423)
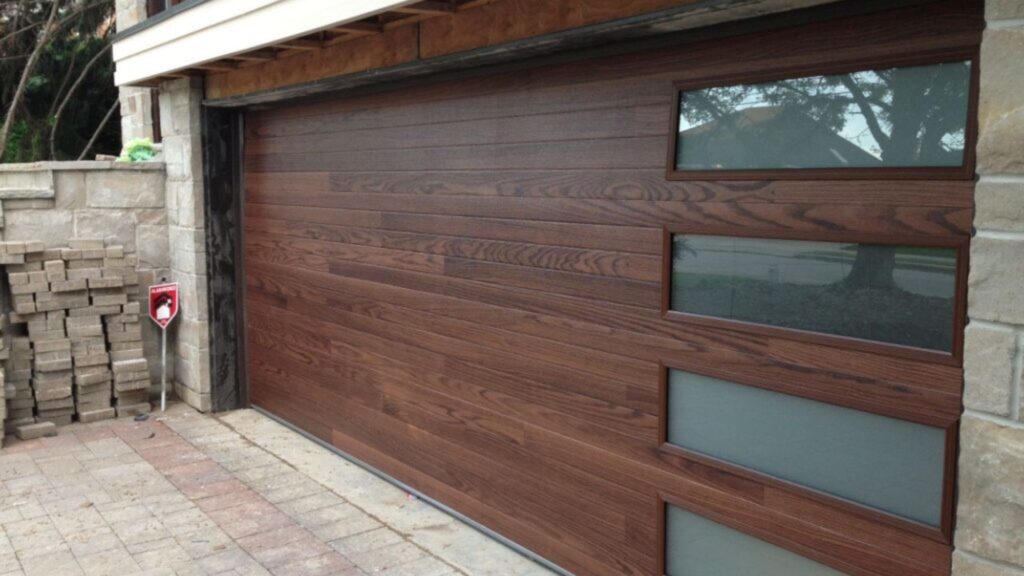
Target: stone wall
(990, 516)
(180, 104)
(122, 203)
(136, 103)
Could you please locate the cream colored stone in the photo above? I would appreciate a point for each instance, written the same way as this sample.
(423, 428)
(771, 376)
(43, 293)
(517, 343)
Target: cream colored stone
(1004, 10)
(965, 565)
(996, 283)
(70, 189)
(999, 206)
(1001, 144)
(152, 246)
(53, 227)
(990, 513)
(1002, 75)
(125, 189)
(989, 354)
(114, 226)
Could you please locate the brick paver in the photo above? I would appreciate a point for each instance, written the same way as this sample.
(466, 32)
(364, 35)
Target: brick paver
(183, 495)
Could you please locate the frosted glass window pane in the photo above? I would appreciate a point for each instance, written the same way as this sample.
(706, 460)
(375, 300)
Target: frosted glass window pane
(880, 462)
(896, 117)
(894, 294)
(696, 546)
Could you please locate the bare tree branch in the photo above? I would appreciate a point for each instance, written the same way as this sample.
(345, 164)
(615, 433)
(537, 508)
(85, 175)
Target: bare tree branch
(99, 129)
(63, 85)
(865, 109)
(19, 92)
(67, 98)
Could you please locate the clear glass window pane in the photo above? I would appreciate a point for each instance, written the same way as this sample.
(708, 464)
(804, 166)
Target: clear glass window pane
(881, 462)
(896, 117)
(696, 546)
(893, 294)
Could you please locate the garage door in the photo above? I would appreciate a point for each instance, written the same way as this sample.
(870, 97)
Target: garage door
(692, 310)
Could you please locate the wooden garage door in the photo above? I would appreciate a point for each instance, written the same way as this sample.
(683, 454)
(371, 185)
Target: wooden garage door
(472, 287)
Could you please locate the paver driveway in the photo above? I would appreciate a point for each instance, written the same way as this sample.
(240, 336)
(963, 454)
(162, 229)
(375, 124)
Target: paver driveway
(184, 493)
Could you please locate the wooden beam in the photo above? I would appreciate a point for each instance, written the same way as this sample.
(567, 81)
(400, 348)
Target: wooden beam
(427, 7)
(256, 55)
(219, 66)
(300, 44)
(360, 28)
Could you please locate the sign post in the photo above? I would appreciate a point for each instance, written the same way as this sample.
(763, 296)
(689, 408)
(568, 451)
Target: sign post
(163, 307)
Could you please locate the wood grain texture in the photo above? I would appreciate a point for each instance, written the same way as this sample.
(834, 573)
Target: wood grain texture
(461, 284)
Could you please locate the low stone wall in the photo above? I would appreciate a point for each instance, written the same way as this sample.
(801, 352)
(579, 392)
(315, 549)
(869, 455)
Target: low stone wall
(124, 204)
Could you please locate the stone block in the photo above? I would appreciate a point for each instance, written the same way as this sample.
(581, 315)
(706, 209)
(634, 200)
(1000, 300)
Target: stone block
(70, 189)
(1004, 10)
(999, 145)
(96, 415)
(999, 205)
(125, 189)
(966, 565)
(39, 430)
(53, 227)
(991, 490)
(185, 203)
(201, 402)
(995, 287)
(153, 246)
(114, 226)
(187, 239)
(193, 291)
(1002, 74)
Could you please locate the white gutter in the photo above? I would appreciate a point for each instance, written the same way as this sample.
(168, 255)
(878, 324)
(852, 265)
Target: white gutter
(217, 29)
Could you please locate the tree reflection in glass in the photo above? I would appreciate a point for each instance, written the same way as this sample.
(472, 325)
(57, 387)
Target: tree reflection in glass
(905, 117)
(894, 294)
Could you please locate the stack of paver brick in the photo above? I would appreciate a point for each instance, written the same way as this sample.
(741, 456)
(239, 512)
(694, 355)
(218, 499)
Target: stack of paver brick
(18, 384)
(84, 344)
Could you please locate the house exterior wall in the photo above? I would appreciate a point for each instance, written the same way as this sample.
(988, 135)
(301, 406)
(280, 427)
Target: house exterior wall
(180, 102)
(990, 516)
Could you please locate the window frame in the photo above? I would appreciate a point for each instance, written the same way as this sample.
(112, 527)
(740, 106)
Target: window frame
(815, 67)
(771, 536)
(959, 243)
(682, 458)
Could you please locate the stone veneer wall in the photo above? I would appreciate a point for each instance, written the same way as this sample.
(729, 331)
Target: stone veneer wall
(180, 105)
(990, 515)
(121, 203)
(136, 103)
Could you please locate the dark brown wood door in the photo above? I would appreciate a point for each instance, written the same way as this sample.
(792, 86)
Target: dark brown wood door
(462, 285)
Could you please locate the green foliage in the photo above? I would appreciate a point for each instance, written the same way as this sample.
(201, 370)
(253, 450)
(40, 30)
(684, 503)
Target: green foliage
(84, 29)
(138, 150)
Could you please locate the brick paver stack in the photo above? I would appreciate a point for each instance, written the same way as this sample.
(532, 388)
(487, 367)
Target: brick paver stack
(83, 353)
(18, 384)
(124, 335)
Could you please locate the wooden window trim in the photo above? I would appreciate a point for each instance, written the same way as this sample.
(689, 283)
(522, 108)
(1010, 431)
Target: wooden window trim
(959, 243)
(942, 533)
(816, 67)
(776, 535)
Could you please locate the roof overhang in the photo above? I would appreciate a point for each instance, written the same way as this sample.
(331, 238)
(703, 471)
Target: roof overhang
(212, 30)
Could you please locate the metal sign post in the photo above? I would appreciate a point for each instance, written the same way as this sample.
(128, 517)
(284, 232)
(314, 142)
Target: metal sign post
(163, 307)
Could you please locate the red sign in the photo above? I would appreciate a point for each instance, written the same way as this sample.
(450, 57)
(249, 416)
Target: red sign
(163, 303)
